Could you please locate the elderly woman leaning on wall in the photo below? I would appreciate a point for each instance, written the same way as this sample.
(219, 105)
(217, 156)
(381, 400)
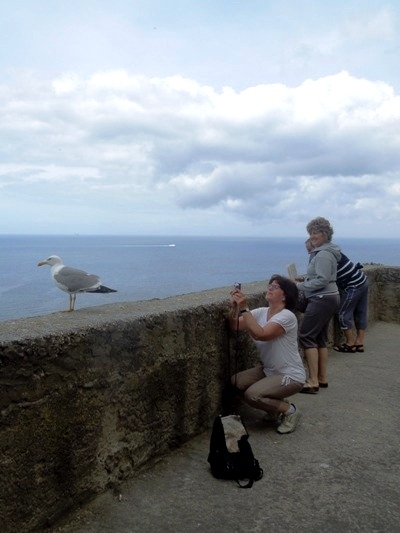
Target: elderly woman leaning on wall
(322, 297)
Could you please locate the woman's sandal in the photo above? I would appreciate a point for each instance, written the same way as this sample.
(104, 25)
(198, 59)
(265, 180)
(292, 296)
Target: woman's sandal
(307, 389)
(359, 347)
(345, 348)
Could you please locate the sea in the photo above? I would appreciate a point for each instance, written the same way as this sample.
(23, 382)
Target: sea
(147, 267)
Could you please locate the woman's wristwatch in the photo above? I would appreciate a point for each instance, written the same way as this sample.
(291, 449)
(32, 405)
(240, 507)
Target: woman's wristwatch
(245, 310)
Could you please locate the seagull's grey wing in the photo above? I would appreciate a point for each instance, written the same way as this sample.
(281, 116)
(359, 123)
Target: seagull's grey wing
(75, 280)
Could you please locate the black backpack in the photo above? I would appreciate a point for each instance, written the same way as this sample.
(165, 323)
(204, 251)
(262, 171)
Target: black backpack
(231, 456)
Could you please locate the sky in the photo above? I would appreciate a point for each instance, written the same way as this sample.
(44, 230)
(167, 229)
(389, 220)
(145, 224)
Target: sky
(199, 117)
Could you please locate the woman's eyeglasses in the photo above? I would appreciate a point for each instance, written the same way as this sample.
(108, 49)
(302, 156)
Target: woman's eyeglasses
(273, 287)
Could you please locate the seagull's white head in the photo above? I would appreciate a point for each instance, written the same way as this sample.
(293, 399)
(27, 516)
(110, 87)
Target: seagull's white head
(52, 260)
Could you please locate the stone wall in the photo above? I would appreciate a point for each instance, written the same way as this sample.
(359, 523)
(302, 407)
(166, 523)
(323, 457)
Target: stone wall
(88, 398)
(384, 294)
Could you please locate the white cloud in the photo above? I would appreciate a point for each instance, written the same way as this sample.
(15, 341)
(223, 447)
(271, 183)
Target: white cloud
(201, 118)
(262, 154)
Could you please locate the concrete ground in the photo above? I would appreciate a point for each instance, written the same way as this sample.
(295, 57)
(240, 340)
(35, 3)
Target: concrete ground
(338, 472)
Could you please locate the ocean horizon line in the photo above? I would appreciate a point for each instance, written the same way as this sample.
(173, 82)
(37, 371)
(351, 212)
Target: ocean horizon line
(184, 235)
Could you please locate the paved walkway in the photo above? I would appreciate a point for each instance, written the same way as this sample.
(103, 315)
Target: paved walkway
(339, 472)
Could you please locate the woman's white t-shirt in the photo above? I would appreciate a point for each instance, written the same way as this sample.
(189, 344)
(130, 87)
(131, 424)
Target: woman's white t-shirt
(280, 355)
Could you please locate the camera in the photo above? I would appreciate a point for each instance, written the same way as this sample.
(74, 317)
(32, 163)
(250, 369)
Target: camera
(237, 286)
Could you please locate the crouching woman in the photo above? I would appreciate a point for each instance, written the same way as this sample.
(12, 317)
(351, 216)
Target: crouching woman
(281, 373)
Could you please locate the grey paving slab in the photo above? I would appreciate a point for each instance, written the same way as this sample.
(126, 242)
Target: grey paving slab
(338, 472)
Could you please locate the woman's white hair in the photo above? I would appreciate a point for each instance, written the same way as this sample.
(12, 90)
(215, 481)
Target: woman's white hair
(321, 224)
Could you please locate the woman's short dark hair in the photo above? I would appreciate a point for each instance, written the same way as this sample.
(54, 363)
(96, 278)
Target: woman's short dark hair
(289, 288)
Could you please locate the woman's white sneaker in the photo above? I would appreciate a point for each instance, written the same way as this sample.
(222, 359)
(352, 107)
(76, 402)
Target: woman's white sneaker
(289, 423)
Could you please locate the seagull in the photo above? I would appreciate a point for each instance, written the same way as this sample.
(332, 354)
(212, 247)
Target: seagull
(73, 280)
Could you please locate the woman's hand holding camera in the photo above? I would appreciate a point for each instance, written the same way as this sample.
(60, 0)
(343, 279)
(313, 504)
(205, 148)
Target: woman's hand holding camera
(239, 300)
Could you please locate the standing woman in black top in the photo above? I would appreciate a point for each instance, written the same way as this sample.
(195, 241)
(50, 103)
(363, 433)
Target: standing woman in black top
(353, 310)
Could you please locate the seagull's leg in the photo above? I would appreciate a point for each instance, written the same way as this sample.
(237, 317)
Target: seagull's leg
(72, 298)
(71, 303)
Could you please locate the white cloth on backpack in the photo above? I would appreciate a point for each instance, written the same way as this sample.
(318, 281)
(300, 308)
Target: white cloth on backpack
(234, 431)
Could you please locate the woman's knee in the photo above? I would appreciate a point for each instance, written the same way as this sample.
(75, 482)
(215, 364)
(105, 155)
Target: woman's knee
(256, 398)
(252, 396)
(249, 396)
(307, 341)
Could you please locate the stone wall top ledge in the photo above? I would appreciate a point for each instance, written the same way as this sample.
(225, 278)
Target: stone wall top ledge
(62, 323)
